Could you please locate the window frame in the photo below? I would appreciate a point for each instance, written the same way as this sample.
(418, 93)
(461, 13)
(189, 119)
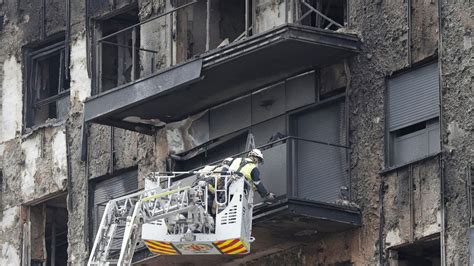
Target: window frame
(33, 57)
(430, 125)
(390, 135)
(98, 41)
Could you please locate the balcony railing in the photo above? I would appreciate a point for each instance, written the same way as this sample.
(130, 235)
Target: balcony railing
(155, 44)
(304, 169)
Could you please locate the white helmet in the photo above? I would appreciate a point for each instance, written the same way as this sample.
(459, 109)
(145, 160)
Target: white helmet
(227, 161)
(256, 153)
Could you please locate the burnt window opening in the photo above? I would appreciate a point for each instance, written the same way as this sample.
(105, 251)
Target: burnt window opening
(420, 253)
(231, 21)
(49, 230)
(227, 24)
(190, 30)
(47, 86)
(334, 9)
(115, 53)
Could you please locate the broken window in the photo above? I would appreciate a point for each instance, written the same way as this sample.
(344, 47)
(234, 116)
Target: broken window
(227, 23)
(315, 13)
(48, 232)
(47, 86)
(425, 252)
(117, 48)
(229, 18)
(412, 114)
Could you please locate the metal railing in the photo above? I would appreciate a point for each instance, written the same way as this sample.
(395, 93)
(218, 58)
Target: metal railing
(129, 54)
(319, 16)
(309, 169)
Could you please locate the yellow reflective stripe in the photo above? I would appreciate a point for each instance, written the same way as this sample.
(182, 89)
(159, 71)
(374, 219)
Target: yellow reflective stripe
(161, 244)
(247, 172)
(155, 249)
(240, 250)
(227, 242)
(245, 243)
(231, 247)
(152, 197)
(158, 246)
(162, 252)
(211, 188)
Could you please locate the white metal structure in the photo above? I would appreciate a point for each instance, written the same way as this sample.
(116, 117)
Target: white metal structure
(173, 219)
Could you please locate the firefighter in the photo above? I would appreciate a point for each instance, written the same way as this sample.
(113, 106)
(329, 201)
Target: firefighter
(224, 167)
(248, 167)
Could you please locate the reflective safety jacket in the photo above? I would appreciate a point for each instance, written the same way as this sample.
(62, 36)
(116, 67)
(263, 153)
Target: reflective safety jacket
(250, 171)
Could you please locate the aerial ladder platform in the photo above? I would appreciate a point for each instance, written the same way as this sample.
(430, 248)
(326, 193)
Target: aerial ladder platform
(172, 218)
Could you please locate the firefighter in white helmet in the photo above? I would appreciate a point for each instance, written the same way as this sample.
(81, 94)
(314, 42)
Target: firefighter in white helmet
(249, 169)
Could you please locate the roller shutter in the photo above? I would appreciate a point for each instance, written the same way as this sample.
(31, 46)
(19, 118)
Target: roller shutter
(108, 189)
(413, 97)
(321, 169)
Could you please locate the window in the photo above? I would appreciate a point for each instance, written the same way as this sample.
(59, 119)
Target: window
(336, 10)
(412, 115)
(424, 252)
(47, 86)
(48, 236)
(115, 52)
(227, 24)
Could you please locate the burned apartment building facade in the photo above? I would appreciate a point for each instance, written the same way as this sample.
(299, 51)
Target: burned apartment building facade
(373, 96)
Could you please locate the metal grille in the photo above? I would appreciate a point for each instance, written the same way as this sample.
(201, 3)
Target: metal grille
(413, 97)
(230, 217)
(321, 169)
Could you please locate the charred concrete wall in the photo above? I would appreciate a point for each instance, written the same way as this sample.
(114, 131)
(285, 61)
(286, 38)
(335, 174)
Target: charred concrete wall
(412, 203)
(37, 168)
(395, 35)
(398, 206)
(456, 49)
(394, 38)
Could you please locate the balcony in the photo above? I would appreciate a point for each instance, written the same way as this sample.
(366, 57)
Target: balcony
(149, 95)
(311, 180)
(306, 175)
